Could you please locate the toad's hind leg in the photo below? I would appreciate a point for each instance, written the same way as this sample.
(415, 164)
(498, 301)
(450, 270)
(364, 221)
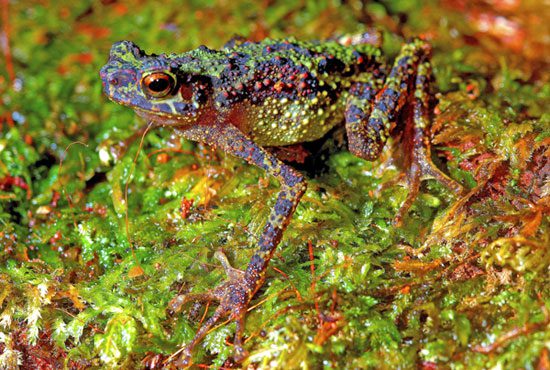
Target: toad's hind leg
(370, 116)
(417, 145)
(234, 295)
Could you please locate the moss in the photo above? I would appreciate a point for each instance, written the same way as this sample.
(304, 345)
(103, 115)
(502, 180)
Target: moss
(98, 235)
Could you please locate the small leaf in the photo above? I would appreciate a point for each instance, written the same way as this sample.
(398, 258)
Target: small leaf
(135, 271)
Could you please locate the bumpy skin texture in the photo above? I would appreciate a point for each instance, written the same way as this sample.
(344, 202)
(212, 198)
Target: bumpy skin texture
(273, 93)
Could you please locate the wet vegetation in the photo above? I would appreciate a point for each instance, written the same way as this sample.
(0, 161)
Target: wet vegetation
(99, 233)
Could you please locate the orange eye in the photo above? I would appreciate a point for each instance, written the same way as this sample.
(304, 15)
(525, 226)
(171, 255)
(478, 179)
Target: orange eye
(157, 84)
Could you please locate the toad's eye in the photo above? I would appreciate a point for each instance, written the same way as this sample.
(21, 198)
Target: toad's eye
(157, 84)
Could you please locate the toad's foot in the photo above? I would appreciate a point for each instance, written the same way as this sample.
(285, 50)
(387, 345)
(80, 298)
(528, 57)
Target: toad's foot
(420, 168)
(233, 296)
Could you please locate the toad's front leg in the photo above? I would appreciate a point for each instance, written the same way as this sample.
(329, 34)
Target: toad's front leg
(235, 294)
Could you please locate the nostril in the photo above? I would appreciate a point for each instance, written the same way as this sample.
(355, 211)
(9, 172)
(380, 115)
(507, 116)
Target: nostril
(118, 79)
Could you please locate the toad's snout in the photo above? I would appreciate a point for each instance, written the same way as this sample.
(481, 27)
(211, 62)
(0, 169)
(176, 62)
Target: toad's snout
(118, 78)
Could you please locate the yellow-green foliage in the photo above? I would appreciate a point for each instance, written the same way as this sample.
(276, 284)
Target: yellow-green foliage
(87, 273)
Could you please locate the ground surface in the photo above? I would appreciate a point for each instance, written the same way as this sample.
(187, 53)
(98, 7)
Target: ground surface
(95, 243)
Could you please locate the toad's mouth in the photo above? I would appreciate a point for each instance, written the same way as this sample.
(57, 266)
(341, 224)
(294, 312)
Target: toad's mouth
(163, 118)
(168, 112)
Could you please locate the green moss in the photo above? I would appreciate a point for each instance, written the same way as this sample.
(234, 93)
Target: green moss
(87, 272)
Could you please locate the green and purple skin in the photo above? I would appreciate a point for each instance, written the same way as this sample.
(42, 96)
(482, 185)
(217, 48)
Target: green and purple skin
(249, 95)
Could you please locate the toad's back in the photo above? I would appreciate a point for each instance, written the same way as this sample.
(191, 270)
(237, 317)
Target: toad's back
(288, 91)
